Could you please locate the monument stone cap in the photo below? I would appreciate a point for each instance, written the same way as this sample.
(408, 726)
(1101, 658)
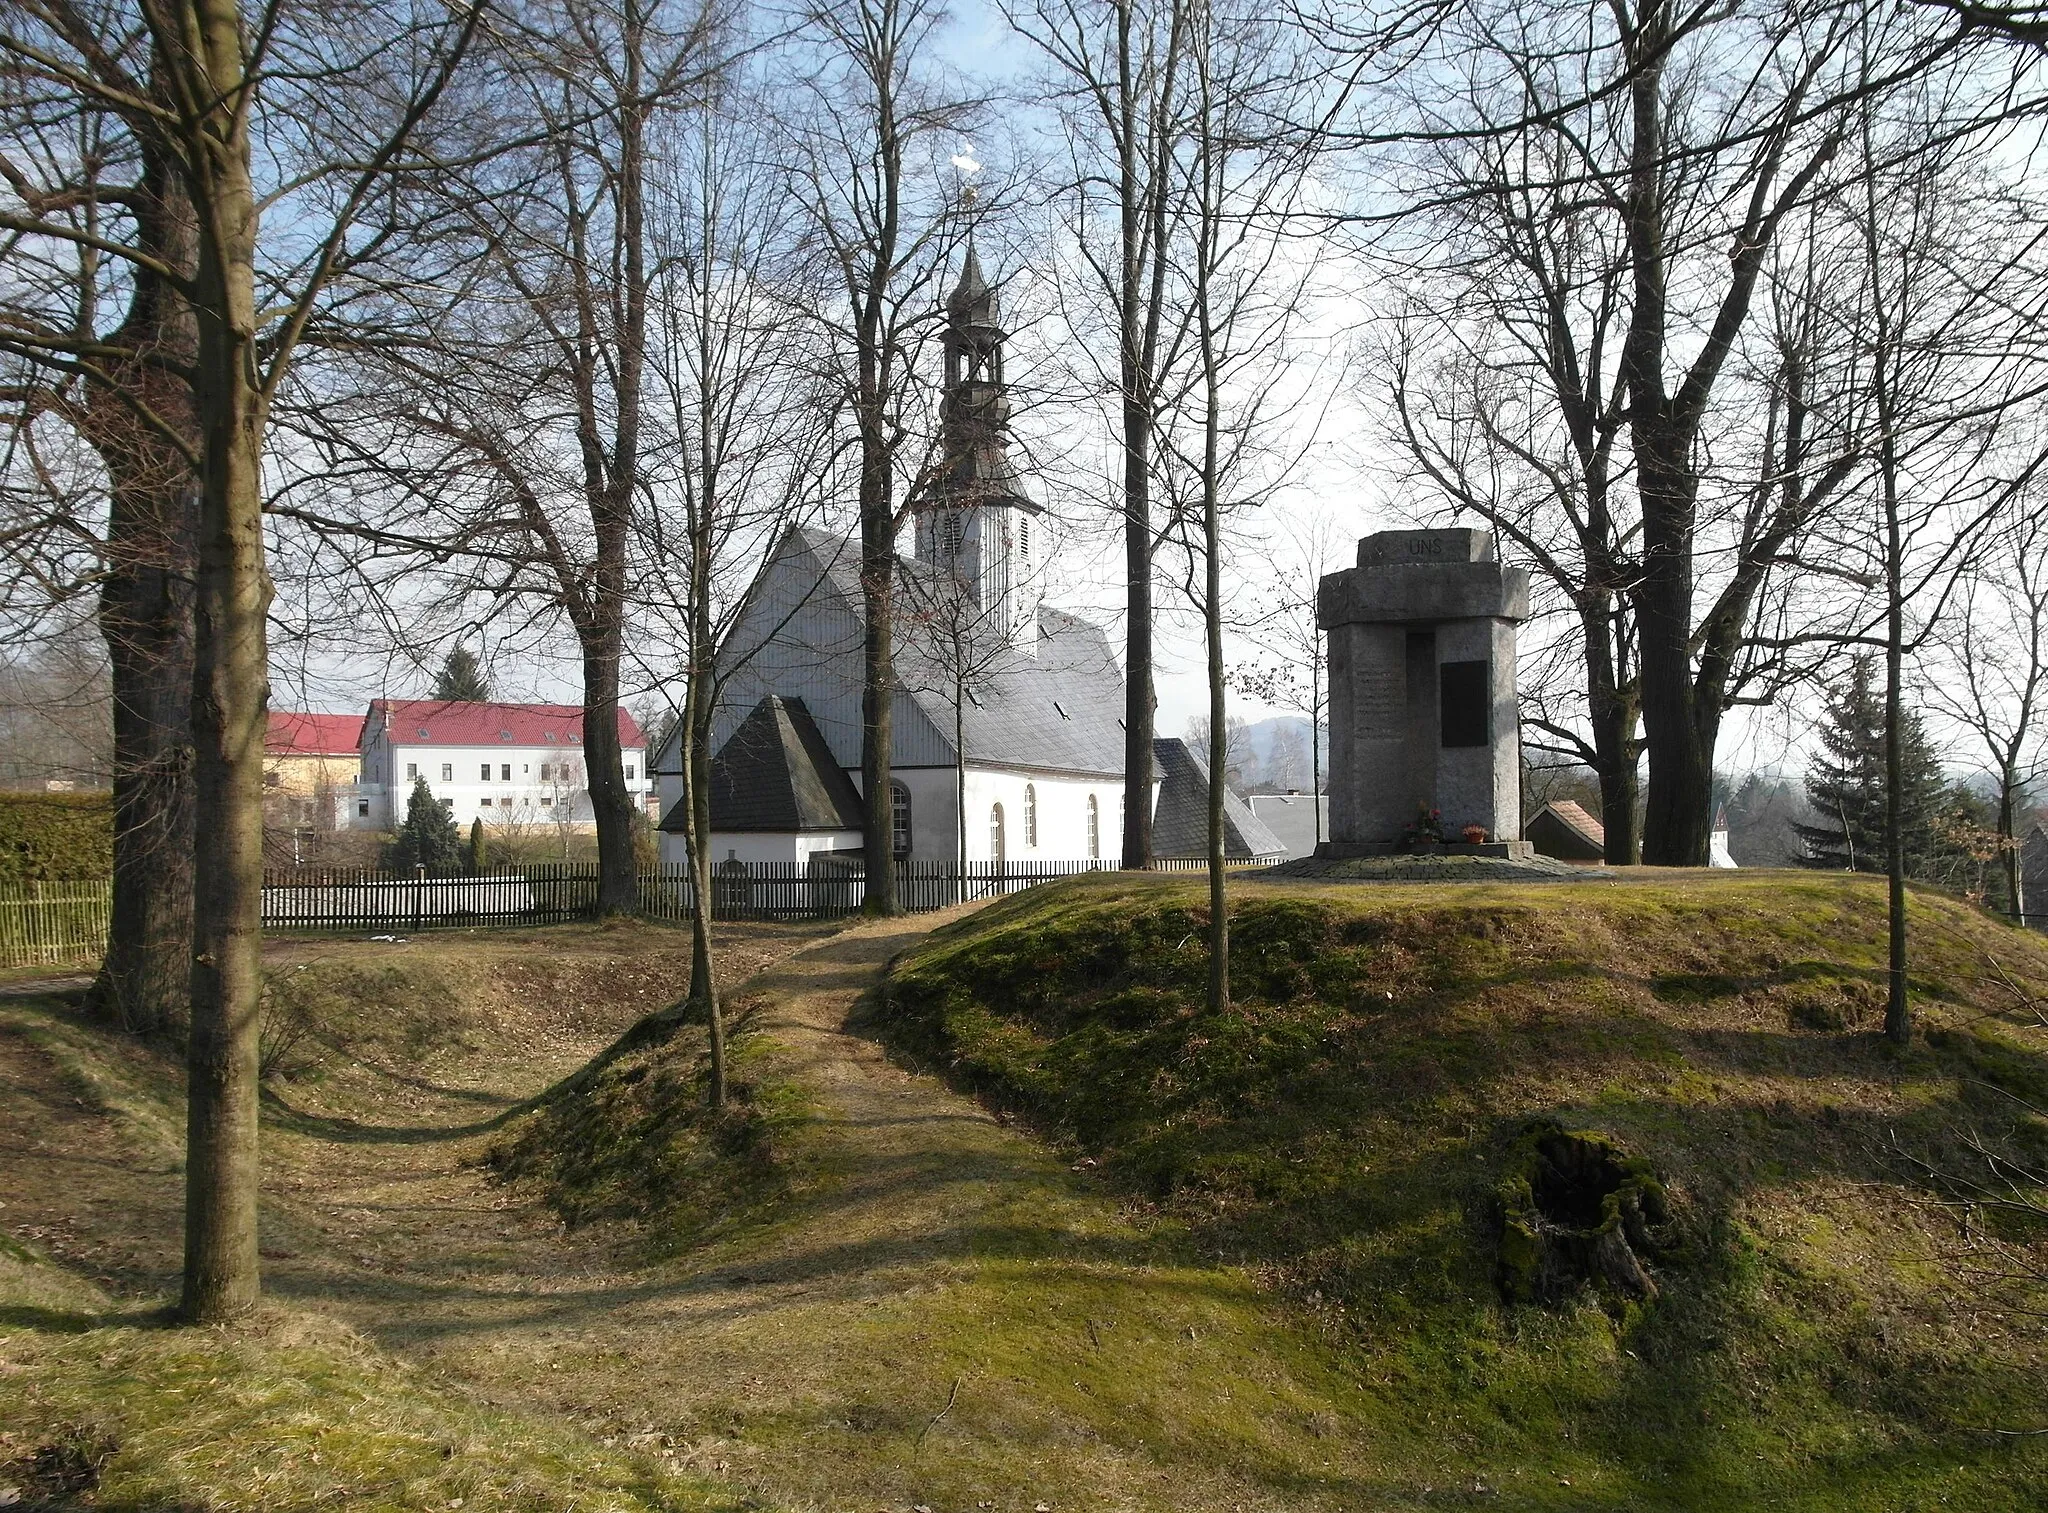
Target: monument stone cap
(1423, 577)
(1419, 548)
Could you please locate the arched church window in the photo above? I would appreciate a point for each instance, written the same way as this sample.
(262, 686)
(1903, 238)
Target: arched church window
(1031, 814)
(995, 834)
(899, 819)
(1094, 829)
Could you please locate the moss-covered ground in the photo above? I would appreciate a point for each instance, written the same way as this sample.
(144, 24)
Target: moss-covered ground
(1135, 1257)
(391, 1063)
(1828, 1335)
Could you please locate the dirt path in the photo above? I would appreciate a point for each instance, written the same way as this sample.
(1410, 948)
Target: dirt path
(945, 1318)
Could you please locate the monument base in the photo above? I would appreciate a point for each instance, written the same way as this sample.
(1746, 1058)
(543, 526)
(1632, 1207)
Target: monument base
(1514, 851)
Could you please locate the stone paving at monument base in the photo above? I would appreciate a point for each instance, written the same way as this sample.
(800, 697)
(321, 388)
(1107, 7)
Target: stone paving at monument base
(1432, 869)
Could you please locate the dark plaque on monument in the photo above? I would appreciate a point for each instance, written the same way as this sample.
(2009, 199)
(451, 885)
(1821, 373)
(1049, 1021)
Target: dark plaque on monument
(1466, 691)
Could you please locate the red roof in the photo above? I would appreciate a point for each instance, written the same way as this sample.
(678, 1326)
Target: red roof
(1574, 815)
(436, 722)
(310, 735)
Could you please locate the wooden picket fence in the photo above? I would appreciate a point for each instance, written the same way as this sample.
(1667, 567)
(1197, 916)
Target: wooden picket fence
(53, 924)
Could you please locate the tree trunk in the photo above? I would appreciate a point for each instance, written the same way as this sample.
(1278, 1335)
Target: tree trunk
(1140, 700)
(1679, 728)
(230, 693)
(878, 677)
(1898, 1008)
(1219, 733)
(703, 967)
(145, 614)
(611, 803)
(1614, 750)
(2009, 842)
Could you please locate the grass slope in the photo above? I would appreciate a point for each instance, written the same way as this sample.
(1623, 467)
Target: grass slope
(1826, 1338)
(393, 1064)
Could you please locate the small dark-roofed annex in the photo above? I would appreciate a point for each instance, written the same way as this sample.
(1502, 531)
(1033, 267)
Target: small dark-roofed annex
(1180, 818)
(776, 774)
(1565, 831)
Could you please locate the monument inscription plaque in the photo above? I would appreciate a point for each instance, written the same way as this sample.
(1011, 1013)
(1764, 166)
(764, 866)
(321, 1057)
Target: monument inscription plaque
(1422, 691)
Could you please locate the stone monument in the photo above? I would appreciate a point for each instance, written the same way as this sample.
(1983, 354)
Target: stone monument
(1422, 695)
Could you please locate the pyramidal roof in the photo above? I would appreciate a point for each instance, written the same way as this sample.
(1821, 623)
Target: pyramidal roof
(972, 296)
(776, 773)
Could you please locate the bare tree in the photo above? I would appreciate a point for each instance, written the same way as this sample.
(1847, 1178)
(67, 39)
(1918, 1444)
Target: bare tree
(1994, 681)
(1619, 377)
(1945, 370)
(191, 78)
(1117, 70)
(745, 454)
(871, 174)
(1245, 294)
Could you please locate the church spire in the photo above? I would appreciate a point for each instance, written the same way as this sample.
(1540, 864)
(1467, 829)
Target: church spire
(977, 521)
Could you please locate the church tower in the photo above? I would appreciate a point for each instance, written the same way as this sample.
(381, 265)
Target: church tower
(977, 520)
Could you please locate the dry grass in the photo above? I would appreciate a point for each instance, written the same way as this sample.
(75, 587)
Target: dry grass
(1161, 1301)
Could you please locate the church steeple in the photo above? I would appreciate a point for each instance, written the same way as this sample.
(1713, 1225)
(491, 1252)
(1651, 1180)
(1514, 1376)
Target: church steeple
(978, 519)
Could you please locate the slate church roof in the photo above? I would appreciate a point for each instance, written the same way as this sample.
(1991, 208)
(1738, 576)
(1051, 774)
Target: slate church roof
(776, 774)
(1180, 820)
(1054, 706)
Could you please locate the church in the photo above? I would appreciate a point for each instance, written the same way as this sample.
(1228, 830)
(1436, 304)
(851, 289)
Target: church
(1008, 738)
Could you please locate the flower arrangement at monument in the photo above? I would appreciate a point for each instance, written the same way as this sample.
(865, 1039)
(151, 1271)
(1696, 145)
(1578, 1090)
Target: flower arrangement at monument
(1474, 835)
(1425, 832)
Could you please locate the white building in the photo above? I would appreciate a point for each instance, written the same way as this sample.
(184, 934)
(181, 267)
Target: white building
(1007, 728)
(513, 766)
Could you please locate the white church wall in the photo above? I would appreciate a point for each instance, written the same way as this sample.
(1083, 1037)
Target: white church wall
(755, 847)
(1062, 806)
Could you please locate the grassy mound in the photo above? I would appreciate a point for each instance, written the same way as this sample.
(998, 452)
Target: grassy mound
(634, 1139)
(1817, 1321)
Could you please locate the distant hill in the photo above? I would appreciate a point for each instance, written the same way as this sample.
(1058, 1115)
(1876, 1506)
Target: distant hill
(1277, 754)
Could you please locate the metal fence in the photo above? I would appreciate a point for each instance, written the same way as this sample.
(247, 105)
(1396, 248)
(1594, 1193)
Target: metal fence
(48, 923)
(326, 899)
(51, 924)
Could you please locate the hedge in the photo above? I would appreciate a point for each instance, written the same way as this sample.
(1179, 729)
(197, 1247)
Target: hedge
(56, 837)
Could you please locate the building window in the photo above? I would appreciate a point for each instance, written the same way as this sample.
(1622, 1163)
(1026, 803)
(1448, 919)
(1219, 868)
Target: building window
(995, 834)
(412, 772)
(504, 772)
(485, 802)
(899, 819)
(949, 533)
(546, 802)
(1023, 535)
(543, 772)
(629, 772)
(1031, 814)
(449, 805)
(362, 809)
(447, 772)
(487, 773)
(1094, 828)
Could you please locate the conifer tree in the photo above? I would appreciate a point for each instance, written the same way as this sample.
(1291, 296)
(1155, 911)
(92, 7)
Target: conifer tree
(1846, 786)
(428, 838)
(479, 851)
(461, 679)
